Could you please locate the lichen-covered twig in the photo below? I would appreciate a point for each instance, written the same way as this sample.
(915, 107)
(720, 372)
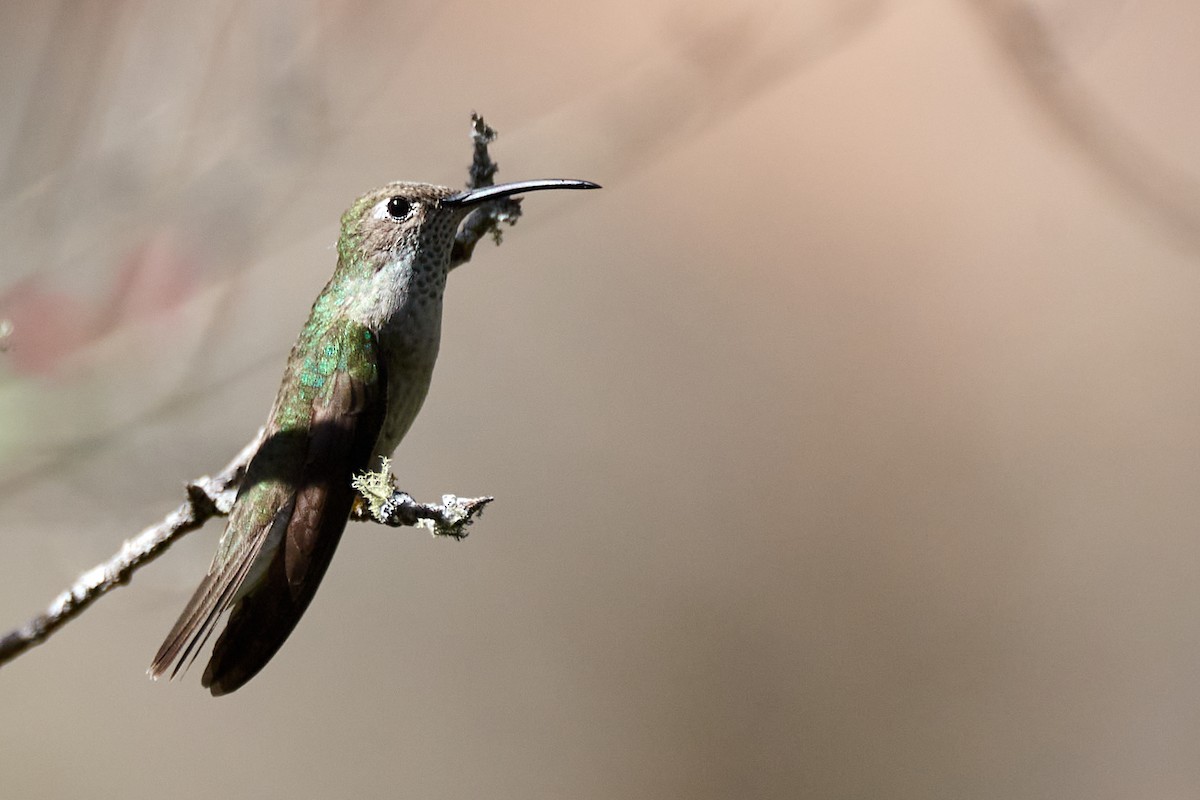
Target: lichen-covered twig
(387, 505)
(487, 219)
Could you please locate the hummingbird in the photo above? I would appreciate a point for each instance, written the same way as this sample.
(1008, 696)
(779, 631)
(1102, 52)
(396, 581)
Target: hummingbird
(354, 382)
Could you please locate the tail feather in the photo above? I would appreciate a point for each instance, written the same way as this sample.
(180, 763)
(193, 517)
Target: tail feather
(213, 597)
(259, 625)
(263, 618)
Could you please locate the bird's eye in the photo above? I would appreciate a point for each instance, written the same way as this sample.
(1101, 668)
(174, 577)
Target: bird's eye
(398, 207)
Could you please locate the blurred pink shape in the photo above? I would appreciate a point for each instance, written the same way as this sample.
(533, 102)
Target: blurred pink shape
(49, 325)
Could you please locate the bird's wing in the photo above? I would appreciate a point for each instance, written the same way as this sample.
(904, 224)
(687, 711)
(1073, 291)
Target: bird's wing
(290, 513)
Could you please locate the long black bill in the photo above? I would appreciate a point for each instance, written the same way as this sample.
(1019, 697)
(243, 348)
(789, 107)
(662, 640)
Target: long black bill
(471, 197)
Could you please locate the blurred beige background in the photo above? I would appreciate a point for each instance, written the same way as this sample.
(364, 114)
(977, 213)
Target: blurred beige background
(845, 446)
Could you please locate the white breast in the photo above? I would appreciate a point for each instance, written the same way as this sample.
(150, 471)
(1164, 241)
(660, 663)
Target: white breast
(410, 354)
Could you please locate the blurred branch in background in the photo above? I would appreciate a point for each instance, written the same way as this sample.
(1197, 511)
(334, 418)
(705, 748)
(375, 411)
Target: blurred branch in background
(708, 65)
(137, 182)
(1171, 195)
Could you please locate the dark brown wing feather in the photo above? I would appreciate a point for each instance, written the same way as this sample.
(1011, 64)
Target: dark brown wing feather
(288, 555)
(343, 436)
(229, 569)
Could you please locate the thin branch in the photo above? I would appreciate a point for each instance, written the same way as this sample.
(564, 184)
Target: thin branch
(207, 497)
(447, 518)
